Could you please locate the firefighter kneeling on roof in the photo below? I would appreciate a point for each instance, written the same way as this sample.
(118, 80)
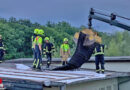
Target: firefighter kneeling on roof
(65, 51)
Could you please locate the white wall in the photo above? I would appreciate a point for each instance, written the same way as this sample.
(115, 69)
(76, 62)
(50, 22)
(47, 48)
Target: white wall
(125, 86)
(93, 85)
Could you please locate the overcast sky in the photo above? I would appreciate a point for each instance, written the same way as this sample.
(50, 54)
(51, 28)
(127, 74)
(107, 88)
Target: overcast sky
(73, 11)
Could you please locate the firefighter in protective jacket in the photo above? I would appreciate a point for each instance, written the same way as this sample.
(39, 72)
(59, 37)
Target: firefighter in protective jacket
(99, 58)
(65, 51)
(48, 50)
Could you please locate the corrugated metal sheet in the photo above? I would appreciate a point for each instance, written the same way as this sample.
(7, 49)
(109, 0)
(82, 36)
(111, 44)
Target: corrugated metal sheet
(66, 77)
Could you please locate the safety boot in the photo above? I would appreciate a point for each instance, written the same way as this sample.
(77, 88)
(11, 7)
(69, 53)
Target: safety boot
(102, 71)
(97, 71)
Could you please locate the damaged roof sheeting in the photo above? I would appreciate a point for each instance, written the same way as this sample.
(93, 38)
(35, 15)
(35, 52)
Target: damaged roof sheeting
(55, 78)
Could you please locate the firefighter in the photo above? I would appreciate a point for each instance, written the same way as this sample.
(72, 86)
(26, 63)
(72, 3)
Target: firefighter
(48, 50)
(33, 38)
(2, 51)
(38, 49)
(65, 51)
(99, 58)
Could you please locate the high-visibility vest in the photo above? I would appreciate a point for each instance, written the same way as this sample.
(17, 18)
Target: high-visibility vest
(33, 38)
(65, 47)
(38, 40)
(101, 52)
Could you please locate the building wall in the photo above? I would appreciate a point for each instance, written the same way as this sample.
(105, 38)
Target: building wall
(109, 84)
(124, 83)
(125, 86)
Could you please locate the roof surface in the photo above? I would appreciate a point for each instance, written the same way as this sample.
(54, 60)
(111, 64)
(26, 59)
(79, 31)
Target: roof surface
(11, 70)
(48, 77)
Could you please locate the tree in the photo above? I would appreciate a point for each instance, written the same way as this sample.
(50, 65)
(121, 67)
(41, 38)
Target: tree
(12, 20)
(17, 37)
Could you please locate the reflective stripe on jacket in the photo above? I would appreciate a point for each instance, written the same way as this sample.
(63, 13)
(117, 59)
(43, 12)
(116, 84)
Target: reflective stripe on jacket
(99, 50)
(48, 48)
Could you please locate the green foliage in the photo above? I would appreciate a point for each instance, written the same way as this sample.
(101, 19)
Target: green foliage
(17, 37)
(118, 44)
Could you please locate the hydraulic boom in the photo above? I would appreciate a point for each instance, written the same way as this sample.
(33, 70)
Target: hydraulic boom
(110, 19)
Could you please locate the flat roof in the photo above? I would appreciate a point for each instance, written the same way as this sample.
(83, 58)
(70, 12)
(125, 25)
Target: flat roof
(9, 72)
(55, 78)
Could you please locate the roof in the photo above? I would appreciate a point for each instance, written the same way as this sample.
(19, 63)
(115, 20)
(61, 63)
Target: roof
(10, 71)
(55, 78)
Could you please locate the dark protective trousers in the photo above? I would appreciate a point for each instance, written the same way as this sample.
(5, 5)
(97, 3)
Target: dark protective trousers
(1, 54)
(49, 58)
(34, 58)
(38, 57)
(99, 59)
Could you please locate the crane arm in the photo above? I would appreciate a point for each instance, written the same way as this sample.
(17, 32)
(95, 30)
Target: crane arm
(112, 21)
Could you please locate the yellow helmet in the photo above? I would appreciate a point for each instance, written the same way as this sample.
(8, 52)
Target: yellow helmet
(65, 40)
(36, 31)
(46, 38)
(41, 32)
